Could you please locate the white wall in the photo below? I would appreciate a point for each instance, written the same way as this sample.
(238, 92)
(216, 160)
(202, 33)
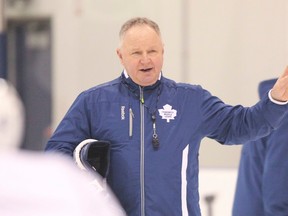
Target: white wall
(227, 46)
(219, 183)
(234, 45)
(1, 16)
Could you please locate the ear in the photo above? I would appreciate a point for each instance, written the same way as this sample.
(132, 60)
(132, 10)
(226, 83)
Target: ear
(118, 51)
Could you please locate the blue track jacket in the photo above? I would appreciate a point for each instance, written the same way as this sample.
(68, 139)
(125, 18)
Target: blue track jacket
(263, 172)
(147, 181)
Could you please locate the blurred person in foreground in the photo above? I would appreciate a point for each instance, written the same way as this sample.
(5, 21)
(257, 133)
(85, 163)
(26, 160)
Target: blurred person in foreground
(261, 187)
(150, 120)
(42, 184)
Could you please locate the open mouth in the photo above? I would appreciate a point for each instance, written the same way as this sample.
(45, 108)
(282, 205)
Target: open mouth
(146, 69)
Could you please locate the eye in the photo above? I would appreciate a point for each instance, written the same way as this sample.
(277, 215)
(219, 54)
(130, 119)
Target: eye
(136, 53)
(152, 51)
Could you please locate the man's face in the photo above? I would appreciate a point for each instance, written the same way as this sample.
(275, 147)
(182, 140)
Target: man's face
(141, 54)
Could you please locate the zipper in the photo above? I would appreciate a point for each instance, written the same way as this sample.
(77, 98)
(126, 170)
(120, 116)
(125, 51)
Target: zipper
(131, 116)
(142, 173)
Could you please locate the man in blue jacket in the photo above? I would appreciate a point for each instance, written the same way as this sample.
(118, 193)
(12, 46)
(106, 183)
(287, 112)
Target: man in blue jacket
(262, 177)
(149, 121)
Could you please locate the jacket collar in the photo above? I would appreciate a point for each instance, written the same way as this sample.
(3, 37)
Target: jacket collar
(135, 87)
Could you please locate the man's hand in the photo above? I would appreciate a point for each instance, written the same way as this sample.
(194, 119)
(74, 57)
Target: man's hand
(280, 89)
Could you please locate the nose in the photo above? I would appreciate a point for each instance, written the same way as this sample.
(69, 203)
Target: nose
(145, 58)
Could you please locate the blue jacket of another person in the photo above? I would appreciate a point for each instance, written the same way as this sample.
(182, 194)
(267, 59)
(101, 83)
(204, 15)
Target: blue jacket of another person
(148, 179)
(262, 185)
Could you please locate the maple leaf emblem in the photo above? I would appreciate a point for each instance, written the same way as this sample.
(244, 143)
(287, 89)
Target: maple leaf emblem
(167, 112)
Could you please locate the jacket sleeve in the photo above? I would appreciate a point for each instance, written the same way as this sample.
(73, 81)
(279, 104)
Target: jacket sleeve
(73, 129)
(237, 124)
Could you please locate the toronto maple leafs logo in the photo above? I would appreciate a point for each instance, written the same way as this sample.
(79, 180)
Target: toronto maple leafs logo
(167, 112)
